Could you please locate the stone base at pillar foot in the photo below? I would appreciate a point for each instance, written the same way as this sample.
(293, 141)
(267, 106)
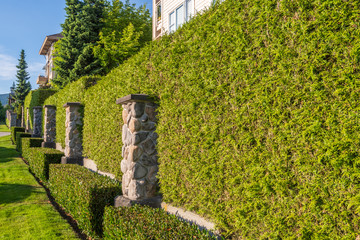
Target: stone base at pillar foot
(48, 145)
(72, 160)
(121, 201)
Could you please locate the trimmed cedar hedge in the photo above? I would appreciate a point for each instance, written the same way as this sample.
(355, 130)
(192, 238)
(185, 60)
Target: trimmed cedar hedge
(39, 160)
(19, 136)
(83, 194)
(27, 143)
(73, 92)
(14, 130)
(142, 222)
(36, 98)
(258, 119)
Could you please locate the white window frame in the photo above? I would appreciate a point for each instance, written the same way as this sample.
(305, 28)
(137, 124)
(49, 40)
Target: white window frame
(172, 24)
(186, 12)
(189, 13)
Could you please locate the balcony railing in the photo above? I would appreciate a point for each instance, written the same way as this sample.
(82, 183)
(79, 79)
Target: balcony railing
(42, 80)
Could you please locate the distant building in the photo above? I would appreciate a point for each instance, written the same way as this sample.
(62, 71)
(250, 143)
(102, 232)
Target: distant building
(11, 98)
(47, 50)
(169, 15)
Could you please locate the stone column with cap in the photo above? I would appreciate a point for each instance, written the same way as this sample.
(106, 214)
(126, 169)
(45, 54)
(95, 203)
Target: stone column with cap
(37, 123)
(27, 125)
(13, 119)
(139, 165)
(73, 141)
(49, 126)
(22, 117)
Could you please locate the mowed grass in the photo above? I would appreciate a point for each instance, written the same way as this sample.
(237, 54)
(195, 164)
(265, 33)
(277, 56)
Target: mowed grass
(4, 128)
(25, 211)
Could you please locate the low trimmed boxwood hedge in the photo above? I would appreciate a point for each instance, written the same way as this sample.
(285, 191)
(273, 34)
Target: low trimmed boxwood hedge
(142, 222)
(27, 143)
(39, 160)
(14, 130)
(83, 194)
(19, 136)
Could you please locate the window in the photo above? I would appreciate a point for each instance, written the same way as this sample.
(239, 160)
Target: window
(189, 9)
(181, 15)
(158, 12)
(176, 18)
(214, 1)
(172, 26)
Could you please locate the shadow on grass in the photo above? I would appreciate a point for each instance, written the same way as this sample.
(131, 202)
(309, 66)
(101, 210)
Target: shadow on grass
(7, 154)
(10, 193)
(5, 160)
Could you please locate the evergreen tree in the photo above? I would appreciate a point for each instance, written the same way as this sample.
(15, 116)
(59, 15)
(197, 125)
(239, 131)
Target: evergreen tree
(73, 55)
(23, 86)
(2, 113)
(126, 29)
(12, 88)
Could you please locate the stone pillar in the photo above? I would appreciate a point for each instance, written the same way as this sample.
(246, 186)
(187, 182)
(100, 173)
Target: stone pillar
(27, 126)
(73, 141)
(37, 123)
(139, 164)
(49, 127)
(22, 117)
(13, 120)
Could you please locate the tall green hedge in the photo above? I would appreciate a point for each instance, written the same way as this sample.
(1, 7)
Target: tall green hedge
(258, 119)
(73, 92)
(36, 98)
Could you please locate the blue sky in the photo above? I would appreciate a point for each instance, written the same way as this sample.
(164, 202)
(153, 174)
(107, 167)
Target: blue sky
(24, 24)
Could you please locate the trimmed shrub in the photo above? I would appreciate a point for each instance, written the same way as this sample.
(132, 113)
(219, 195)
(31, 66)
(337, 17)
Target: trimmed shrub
(39, 160)
(83, 194)
(14, 130)
(27, 143)
(36, 98)
(73, 92)
(19, 136)
(142, 222)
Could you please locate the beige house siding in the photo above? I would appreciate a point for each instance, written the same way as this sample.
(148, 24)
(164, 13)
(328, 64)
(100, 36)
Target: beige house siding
(46, 50)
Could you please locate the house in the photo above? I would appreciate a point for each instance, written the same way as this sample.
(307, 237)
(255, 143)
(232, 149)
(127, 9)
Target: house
(11, 98)
(169, 15)
(47, 50)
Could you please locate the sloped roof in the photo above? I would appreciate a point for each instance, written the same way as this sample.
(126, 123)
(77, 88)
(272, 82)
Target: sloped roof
(48, 41)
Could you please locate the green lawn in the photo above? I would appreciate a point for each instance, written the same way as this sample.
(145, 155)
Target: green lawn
(25, 211)
(4, 128)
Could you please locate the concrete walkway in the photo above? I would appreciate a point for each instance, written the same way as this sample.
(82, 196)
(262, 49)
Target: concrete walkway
(4, 134)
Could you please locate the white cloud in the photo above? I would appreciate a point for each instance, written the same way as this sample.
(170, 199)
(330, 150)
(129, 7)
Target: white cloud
(7, 67)
(36, 68)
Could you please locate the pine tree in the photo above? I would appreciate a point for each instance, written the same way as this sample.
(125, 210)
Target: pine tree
(2, 113)
(73, 55)
(23, 86)
(12, 88)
